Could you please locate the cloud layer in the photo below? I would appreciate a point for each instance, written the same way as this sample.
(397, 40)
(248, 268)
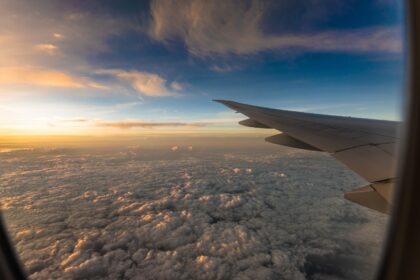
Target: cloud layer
(181, 213)
(234, 27)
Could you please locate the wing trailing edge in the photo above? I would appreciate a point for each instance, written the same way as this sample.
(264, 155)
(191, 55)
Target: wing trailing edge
(366, 146)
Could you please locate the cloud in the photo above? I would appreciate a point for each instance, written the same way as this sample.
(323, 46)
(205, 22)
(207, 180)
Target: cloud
(145, 124)
(44, 77)
(148, 84)
(134, 212)
(49, 49)
(222, 69)
(77, 34)
(66, 35)
(133, 123)
(177, 86)
(235, 27)
(58, 36)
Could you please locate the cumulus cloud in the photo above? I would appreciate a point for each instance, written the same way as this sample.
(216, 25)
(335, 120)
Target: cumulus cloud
(145, 83)
(140, 213)
(36, 76)
(234, 27)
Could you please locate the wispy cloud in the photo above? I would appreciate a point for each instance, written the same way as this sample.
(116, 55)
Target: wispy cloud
(220, 120)
(36, 76)
(58, 36)
(135, 123)
(49, 49)
(223, 68)
(211, 28)
(177, 86)
(145, 83)
(132, 123)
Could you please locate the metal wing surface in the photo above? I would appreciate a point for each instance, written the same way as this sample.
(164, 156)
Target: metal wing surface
(366, 146)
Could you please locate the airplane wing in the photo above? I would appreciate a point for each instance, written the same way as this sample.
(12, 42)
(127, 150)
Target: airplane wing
(366, 146)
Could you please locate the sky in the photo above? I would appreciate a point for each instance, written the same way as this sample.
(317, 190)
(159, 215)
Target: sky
(88, 67)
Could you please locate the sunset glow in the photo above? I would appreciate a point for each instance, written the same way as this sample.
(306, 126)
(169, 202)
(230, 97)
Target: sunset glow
(106, 70)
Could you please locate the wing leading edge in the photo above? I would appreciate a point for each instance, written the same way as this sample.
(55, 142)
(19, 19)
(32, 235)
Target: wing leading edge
(366, 146)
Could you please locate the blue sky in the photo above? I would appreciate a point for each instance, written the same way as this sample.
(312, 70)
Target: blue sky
(81, 65)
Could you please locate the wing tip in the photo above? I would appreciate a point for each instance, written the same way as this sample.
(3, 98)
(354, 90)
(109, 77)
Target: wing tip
(223, 101)
(229, 103)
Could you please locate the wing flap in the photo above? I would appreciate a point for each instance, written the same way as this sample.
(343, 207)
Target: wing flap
(368, 147)
(370, 162)
(286, 140)
(365, 146)
(253, 123)
(327, 133)
(368, 197)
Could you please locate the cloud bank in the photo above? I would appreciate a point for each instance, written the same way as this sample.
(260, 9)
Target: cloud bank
(136, 213)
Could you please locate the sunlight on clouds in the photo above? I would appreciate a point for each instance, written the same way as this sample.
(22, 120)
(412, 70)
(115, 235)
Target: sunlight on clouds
(145, 83)
(28, 75)
(86, 212)
(135, 123)
(131, 123)
(59, 56)
(58, 36)
(38, 118)
(49, 49)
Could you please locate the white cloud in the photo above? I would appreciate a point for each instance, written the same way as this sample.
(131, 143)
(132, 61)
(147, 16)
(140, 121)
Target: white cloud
(148, 84)
(234, 27)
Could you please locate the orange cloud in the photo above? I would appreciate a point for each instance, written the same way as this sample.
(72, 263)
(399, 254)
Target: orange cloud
(133, 123)
(127, 124)
(43, 77)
